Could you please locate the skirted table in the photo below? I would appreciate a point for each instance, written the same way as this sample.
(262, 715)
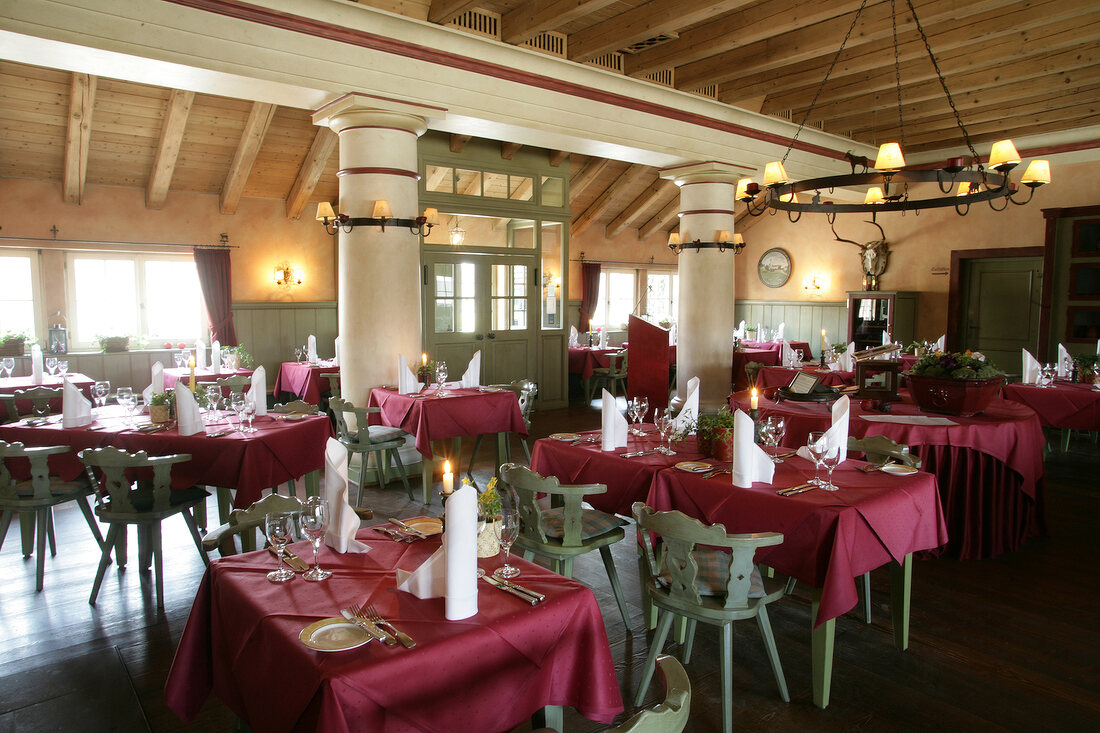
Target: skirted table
(303, 380)
(1067, 405)
(777, 376)
(766, 357)
(488, 672)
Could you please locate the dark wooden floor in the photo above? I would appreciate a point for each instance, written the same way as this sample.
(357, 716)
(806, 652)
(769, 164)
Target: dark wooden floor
(1006, 644)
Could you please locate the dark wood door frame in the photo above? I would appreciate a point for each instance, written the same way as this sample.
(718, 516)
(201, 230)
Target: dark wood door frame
(954, 293)
(1052, 216)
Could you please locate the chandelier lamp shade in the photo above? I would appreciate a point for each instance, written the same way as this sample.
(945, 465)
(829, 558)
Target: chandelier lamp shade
(381, 216)
(888, 184)
(723, 240)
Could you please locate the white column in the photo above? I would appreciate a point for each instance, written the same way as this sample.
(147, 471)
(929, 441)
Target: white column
(378, 279)
(705, 313)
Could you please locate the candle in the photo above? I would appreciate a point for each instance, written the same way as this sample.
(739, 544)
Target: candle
(823, 344)
(424, 359)
(590, 325)
(448, 479)
(191, 384)
(755, 403)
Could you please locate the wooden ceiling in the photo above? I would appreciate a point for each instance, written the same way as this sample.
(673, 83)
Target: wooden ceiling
(1014, 69)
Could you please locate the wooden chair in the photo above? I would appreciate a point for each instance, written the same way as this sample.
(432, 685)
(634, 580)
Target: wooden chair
(333, 384)
(39, 397)
(879, 449)
(143, 503)
(296, 407)
(234, 384)
(686, 574)
(561, 529)
(611, 375)
(35, 498)
(526, 391)
(248, 524)
(383, 442)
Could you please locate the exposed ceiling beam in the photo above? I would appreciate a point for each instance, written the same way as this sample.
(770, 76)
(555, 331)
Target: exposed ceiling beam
(592, 168)
(557, 156)
(78, 136)
(664, 218)
(259, 119)
(509, 150)
(168, 149)
(444, 11)
(627, 179)
(528, 19)
(656, 191)
(324, 143)
(458, 143)
(642, 22)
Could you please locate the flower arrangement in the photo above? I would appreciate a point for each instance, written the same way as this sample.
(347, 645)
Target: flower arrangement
(244, 359)
(113, 344)
(1088, 365)
(12, 343)
(426, 373)
(488, 500)
(955, 365)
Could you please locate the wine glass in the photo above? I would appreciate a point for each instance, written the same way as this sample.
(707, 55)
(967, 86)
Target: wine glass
(298, 354)
(441, 375)
(824, 456)
(179, 359)
(100, 390)
(315, 519)
(62, 366)
(772, 431)
(51, 364)
(126, 397)
(248, 412)
(277, 526)
(639, 408)
(237, 402)
(664, 427)
(8, 364)
(799, 357)
(507, 530)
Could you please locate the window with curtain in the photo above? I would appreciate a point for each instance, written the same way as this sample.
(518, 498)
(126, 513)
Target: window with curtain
(155, 297)
(18, 312)
(616, 300)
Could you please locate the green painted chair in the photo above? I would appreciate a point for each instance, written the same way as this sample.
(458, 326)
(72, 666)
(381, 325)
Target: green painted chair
(879, 450)
(526, 391)
(246, 526)
(333, 384)
(34, 499)
(234, 384)
(686, 574)
(383, 442)
(611, 376)
(143, 503)
(562, 528)
(295, 407)
(39, 397)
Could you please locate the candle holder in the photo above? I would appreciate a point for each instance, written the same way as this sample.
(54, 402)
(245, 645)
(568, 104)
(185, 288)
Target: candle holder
(822, 360)
(754, 414)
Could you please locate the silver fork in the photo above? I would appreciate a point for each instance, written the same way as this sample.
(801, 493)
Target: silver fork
(373, 615)
(359, 613)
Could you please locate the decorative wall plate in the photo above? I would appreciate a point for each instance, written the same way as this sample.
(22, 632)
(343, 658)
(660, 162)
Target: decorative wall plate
(774, 267)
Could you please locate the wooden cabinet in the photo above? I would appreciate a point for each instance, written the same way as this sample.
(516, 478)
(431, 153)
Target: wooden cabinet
(873, 312)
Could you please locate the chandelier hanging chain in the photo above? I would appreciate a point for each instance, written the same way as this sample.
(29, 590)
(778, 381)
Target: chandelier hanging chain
(821, 88)
(897, 69)
(943, 83)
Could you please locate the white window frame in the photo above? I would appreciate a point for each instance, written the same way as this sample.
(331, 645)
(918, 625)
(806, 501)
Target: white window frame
(641, 291)
(35, 258)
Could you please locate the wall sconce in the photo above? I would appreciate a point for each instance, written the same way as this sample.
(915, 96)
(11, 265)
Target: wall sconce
(286, 275)
(815, 282)
(380, 216)
(724, 240)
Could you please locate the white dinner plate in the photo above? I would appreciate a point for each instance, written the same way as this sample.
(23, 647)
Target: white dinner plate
(293, 417)
(899, 470)
(564, 436)
(427, 525)
(334, 635)
(694, 466)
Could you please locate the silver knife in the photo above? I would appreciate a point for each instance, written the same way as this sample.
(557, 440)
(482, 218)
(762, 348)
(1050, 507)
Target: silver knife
(522, 589)
(296, 563)
(369, 627)
(407, 528)
(509, 589)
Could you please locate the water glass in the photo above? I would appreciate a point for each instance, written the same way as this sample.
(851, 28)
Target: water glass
(100, 390)
(278, 527)
(51, 364)
(180, 359)
(664, 426)
(799, 357)
(315, 518)
(639, 408)
(507, 531)
(62, 366)
(772, 431)
(126, 397)
(8, 365)
(237, 402)
(213, 396)
(824, 456)
(441, 375)
(248, 412)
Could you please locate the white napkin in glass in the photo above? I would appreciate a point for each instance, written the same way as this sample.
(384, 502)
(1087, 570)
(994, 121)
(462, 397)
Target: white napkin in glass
(779, 331)
(1063, 359)
(603, 339)
(36, 364)
(407, 383)
(311, 348)
(188, 418)
(336, 352)
(613, 424)
(740, 332)
(750, 462)
(76, 409)
(846, 361)
(472, 376)
(451, 571)
(886, 339)
(789, 358)
(574, 337)
(200, 354)
(690, 411)
(941, 343)
(759, 331)
(258, 393)
(156, 386)
(343, 522)
(836, 436)
(1031, 368)
(216, 357)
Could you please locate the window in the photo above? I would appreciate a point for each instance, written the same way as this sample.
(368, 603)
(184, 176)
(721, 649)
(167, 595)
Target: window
(616, 301)
(650, 293)
(152, 296)
(17, 309)
(662, 295)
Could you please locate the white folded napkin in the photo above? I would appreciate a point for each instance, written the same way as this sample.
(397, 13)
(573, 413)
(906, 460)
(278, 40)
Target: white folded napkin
(789, 358)
(36, 364)
(156, 386)
(846, 361)
(76, 409)
(336, 352)
(886, 338)
(740, 332)
(672, 334)
(407, 383)
(216, 357)
(1031, 368)
(613, 424)
(200, 354)
(258, 393)
(311, 348)
(188, 417)
(750, 462)
(451, 571)
(343, 522)
(759, 331)
(472, 376)
(574, 337)
(1064, 360)
(941, 343)
(603, 338)
(779, 331)
(836, 436)
(689, 413)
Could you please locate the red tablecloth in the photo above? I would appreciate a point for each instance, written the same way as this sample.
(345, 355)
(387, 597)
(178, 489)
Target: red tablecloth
(281, 450)
(989, 467)
(583, 361)
(304, 380)
(485, 673)
(830, 537)
(1065, 405)
(777, 376)
(11, 385)
(461, 413)
(767, 357)
(628, 479)
(775, 346)
(175, 374)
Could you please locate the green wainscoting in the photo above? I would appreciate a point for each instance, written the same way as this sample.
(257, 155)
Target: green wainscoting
(804, 319)
(270, 331)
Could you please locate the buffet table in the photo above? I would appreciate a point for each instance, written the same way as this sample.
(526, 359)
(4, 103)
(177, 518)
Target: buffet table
(488, 672)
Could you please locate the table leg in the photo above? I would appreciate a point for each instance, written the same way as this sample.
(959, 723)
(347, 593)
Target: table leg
(427, 472)
(504, 454)
(901, 577)
(551, 716)
(313, 483)
(821, 645)
(225, 504)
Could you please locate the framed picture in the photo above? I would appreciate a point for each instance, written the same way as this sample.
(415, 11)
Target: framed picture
(877, 380)
(774, 267)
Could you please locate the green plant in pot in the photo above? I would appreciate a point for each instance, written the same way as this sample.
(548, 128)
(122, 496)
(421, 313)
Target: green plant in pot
(113, 344)
(955, 383)
(162, 406)
(1088, 367)
(243, 358)
(714, 434)
(12, 343)
(489, 507)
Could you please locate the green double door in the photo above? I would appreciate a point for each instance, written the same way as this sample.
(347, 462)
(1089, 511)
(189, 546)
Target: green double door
(486, 302)
(1000, 313)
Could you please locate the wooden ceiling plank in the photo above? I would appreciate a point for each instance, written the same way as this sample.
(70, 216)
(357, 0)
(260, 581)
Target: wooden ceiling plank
(557, 157)
(586, 175)
(245, 156)
(642, 22)
(528, 19)
(646, 200)
(596, 209)
(1022, 117)
(458, 142)
(320, 150)
(444, 11)
(78, 137)
(509, 150)
(985, 135)
(664, 219)
(168, 148)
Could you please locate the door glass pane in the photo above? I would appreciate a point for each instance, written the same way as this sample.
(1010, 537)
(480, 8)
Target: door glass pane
(659, 296)
(465, 304)
(496, 185)
(552, 307)
(455, 308)
(439, 179)
(509, 297)
(444, 298)
(620, 302)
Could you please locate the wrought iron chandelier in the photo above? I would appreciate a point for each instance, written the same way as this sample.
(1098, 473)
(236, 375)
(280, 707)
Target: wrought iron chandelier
(960, 182)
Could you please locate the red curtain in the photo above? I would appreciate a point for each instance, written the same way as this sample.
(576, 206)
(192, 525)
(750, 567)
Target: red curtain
(217, 292)
(590, 292)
